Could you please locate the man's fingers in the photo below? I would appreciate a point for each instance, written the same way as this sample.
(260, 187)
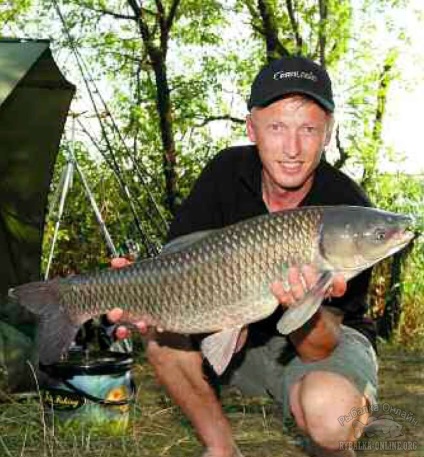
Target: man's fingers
(284, 297)
(141, 327)
(339, 286)
(115, 315)
(301, 280)
(310, 276)
(296, 283)
(119, 262)
(122, 333)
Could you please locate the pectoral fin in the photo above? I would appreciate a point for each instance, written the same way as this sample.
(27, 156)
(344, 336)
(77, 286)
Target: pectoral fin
(296, 316)
(219, 347)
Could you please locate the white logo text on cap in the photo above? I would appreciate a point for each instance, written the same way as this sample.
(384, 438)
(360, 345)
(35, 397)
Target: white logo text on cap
(295, 74)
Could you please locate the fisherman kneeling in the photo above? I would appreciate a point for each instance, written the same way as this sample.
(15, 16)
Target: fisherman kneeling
(326, 368)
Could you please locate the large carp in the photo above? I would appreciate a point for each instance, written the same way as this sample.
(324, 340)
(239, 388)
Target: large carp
(219, 281)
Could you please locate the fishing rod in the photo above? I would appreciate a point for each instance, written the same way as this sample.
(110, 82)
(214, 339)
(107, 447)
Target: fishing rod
(150, 247)
(115, 129)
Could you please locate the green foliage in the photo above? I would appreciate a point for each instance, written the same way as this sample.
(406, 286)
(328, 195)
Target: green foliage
(404, 194)
(214, 50)
(11, 9)
(299, 34)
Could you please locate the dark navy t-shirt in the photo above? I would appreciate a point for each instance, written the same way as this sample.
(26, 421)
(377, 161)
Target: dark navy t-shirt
(229, 190)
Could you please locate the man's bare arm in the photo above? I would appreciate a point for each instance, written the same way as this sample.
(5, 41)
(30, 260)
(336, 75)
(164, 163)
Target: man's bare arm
(316, 339)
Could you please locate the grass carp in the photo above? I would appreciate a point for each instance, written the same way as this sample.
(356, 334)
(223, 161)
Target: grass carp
(218, 281)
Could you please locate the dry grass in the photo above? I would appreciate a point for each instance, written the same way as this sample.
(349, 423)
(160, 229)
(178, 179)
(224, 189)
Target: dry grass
(158, 428)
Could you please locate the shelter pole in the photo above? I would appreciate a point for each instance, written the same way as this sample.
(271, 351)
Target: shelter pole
(96, 210)
(69, 170)
(90, 196)
(66, 180)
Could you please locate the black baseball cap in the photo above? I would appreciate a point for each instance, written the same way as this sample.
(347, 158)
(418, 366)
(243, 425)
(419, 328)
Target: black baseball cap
(291, 75)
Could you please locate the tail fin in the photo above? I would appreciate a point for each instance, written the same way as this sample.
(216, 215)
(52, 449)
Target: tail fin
(56, 330)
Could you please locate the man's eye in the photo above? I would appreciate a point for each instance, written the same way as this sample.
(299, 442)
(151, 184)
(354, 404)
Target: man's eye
(309, 129)
(276, 127)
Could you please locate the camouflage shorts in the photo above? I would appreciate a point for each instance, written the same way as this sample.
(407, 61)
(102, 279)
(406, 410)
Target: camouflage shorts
(271, 369)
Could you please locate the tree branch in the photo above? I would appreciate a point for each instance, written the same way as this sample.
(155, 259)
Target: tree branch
(274, 48)
(164, 31)
(225, 117)
(161, 13)
(342, 151)
(111, 13)
(385, 78)
(172, 13)
(295, 26)
(255, 18)
(134, 5)
(142, 25)
(129, 57)
(322, 39)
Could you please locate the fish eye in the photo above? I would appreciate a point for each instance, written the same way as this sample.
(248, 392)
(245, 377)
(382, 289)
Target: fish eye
(380, 234)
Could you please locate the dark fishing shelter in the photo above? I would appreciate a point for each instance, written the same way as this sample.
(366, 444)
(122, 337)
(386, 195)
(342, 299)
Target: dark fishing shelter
(34, 103)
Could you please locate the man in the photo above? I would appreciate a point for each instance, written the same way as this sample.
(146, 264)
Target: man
(323, 370)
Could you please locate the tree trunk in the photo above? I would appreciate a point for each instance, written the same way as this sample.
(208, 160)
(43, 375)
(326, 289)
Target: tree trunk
(164, 107)
(157, 55)
(385, 80)
(389, 321)
(295, 26)
(274, 48)
(322, 38)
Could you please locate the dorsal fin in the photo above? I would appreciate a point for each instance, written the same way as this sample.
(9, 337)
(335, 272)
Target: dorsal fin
(185, 241)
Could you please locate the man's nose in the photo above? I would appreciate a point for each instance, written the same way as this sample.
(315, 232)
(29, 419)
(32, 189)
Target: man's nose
(291, 147)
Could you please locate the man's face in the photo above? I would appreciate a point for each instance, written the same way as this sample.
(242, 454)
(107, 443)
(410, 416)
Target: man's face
(290, 135)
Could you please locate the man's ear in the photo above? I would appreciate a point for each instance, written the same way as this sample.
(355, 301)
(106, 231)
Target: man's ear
(250, 128)
(330, 126)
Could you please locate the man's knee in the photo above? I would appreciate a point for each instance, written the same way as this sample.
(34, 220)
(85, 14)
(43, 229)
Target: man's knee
(324, 397)
(158, 355)
(167, 359)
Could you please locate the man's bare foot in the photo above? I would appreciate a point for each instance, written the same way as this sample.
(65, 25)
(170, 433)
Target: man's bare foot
(212, 453)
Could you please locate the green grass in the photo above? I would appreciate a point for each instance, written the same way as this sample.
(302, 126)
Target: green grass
(410, 332)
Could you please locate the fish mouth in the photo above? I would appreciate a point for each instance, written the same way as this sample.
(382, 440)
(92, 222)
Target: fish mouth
(405, 232)
(404, 238)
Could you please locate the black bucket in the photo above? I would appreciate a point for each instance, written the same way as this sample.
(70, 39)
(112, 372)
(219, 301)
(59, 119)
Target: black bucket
(95, 389)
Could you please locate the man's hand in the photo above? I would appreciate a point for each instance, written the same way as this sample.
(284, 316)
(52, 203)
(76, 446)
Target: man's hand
(122, 332)
(115, 315)
(300, 282)
(316, 342)
(120, 262)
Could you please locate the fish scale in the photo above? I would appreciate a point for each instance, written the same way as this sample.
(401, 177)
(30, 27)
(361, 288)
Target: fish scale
(219, 281)
(212, 277)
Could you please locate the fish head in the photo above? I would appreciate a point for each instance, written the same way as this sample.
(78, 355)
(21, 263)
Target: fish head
(355, 238)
